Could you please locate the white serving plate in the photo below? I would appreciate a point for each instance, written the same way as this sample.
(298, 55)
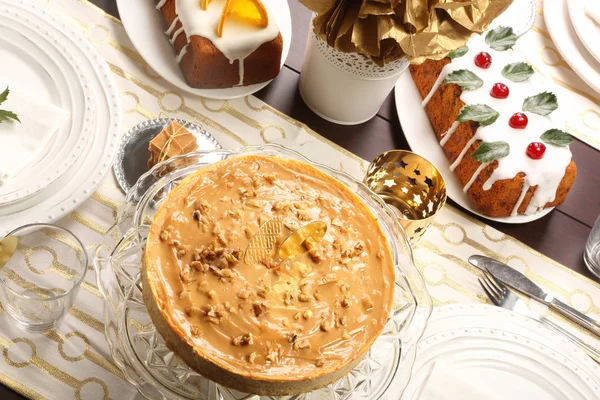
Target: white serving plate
(568, 44)
(50, 72)
(586, 28)
(145, 27)
(493, 353)
(80, 180)
(422, 140)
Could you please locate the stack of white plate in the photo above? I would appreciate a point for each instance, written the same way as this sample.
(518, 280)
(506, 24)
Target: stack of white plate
(55, 63)
(576, 35)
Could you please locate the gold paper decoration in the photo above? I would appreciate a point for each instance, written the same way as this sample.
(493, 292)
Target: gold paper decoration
(386, 30)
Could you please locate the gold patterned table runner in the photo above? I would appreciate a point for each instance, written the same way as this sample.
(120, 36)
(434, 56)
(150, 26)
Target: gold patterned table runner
(73, 361)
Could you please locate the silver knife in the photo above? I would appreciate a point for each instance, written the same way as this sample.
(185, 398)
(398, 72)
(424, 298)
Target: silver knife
(517, 280)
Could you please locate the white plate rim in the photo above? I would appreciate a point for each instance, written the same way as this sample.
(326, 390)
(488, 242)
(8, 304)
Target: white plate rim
(486, 317)
(568, 44)
(422, 140)
(584, 27)
(128, 12)
(49, 168)
(88, 172)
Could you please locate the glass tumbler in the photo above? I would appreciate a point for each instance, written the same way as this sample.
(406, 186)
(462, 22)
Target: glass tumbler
(40, 281)
(591, 256)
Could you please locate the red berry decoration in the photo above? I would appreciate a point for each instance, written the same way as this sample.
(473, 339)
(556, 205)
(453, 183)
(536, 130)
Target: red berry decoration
(499, 91)
(536, 150)
(518, 121)
(483, 60)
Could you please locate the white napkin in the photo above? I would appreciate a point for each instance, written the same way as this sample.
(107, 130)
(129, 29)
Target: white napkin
(21, 143)
(593, 10)
(443, 384)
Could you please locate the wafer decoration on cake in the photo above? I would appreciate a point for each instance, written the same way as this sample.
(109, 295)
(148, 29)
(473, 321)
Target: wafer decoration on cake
(496, 121)
(263, 242)
(172, 141)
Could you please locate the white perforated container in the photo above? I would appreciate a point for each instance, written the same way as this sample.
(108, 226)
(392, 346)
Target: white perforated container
(345, 88)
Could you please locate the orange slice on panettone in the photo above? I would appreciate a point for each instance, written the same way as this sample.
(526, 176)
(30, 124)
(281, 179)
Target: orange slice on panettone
(204, 4)
(252, 11)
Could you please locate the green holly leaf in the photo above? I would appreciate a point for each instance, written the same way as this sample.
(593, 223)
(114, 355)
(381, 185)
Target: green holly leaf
(481, 113)
(542, 104)
(4, 95)
(517, 72)
(490, 151)
(556, 137)
(464, 78)
(461, 51)
(501, 39)
(6, 115)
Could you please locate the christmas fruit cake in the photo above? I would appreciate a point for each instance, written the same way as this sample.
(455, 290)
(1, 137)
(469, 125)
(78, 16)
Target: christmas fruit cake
(223, 43)
(492, 117)
(278, 326)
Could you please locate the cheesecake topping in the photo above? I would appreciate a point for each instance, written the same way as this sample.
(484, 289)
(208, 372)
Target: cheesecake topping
(308, 314)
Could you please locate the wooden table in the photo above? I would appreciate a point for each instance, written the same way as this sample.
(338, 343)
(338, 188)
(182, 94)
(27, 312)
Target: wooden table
(561, 235)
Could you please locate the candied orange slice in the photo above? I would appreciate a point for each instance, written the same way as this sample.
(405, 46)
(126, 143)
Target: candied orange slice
(252, 11)
(204, 4)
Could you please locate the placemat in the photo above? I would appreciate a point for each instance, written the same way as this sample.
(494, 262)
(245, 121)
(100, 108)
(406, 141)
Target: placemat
(73, 361)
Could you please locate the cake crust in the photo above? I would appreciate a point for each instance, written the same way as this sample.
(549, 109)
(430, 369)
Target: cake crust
(442, 110)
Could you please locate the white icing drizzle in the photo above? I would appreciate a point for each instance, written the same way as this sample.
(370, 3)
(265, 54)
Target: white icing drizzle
(462, 153)
(161, 4)
(515, 210)
(239, 39)
(475, 175)
(241, 65)
(545, 173)
(177, 33)
(449, 133)
(172, 27)
(182, 53)
(434, 88)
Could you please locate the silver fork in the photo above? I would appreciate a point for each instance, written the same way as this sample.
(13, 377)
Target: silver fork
(503, 297)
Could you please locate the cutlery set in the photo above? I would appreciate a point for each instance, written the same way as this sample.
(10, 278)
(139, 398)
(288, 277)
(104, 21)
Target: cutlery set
(496, 276)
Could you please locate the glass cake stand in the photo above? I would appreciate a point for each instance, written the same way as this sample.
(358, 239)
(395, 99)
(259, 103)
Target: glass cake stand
(141, 353)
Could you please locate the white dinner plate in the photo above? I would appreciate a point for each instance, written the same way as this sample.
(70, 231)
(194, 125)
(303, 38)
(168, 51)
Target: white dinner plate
(586, 28)
(80, 180)
(568, 44)
(49, 72)
(520, 16)
(422, 140)
(145, 27)
(487, 352)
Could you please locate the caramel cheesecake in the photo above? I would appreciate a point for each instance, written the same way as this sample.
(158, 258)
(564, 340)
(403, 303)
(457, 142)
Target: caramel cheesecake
(280, 326)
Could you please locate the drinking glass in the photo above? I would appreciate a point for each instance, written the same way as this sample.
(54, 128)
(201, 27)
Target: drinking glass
(591, 256)
(40, 282)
